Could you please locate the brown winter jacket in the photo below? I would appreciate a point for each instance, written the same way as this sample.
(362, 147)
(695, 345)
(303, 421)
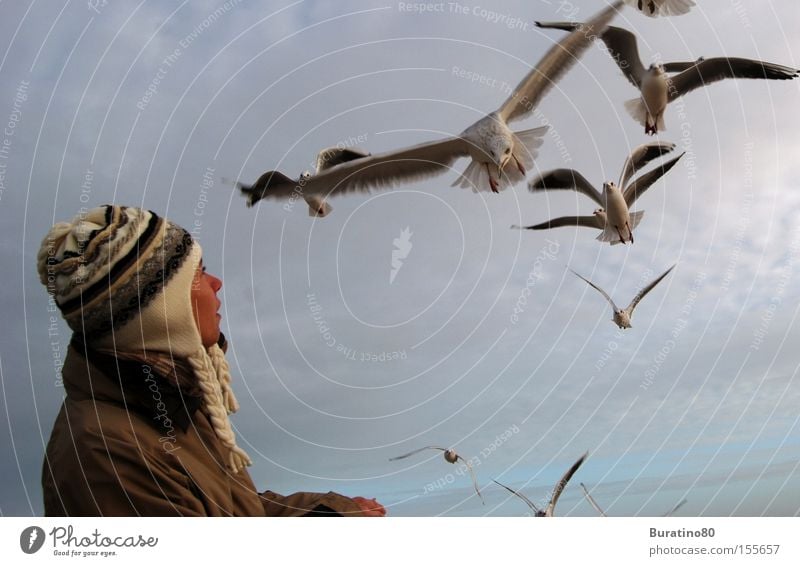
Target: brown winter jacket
(149, 452)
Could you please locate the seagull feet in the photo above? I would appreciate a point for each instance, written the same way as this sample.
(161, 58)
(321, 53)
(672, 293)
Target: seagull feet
(520, 167)
(652, 7)
(630, 232)
(650, 129)
(492, 183)
(621, 237)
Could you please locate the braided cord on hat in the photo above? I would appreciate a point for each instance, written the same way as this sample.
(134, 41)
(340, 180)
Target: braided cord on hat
(223, 372)
(215, 408)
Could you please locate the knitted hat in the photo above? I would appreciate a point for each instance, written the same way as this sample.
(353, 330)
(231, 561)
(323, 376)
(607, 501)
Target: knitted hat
(122, 278)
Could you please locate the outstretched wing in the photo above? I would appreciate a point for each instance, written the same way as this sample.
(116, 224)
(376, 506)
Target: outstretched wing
(719, 68)
(641, 156)
(621, 46)
(386, 170)
(592, 501)
(417, 452)
(474, 479)
(562, 483)
(640, 295)
(674, 509)
(272, 184)
(641, 184)
(555, 63)
(598, 288)
(584, 221)
(565, 179)
(530, 503)
(332, 156)
(680, 66)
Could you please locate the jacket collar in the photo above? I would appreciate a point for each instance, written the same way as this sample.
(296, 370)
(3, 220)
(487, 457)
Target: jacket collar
(138, 386)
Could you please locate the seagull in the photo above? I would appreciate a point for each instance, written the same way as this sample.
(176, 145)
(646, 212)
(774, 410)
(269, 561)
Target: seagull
(602, 513)
(317, 206)
(500, 156)
(674, 509)
(451, 457)
(592, 501)
(657, 88)
(551, 505)
(622, 317)
(656, 8)
(613, 218)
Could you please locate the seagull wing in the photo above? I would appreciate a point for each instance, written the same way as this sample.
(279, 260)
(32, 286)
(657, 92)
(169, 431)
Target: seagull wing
(474, 479)
(592, 501)
(555, 63)
(598, 288)
(640, 295)
(562, 483)
(530, 503)
(417, 451)
(719, 68)
(680, 66)
(272, 184)
(641, 184)
(641, 156)
(385, 170)
(674, 509)
(584, 221)
(565, 179)
(331, 156)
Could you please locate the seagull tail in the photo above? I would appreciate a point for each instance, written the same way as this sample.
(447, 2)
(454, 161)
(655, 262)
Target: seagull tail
(474, 177)
(610, 236)
(636, 217)
(660, 126)
(637, 110)
(318, 206)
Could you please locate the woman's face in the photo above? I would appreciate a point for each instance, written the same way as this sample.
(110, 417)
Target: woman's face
(205, 305)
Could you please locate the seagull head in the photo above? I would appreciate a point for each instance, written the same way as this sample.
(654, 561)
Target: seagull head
(609, 187)
(656, 69)
(500, 151)
(451, 456)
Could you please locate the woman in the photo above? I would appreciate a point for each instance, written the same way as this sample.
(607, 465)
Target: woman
(144, 428)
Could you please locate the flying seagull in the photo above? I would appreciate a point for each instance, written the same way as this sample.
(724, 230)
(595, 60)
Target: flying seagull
(317, 205)
(500, 156)
(592, 501)
(614, 219)
(656, 8)
(603, 514)
(657, 88)
(451, 457)
(551, 505)
(622, 317)
(674, 509)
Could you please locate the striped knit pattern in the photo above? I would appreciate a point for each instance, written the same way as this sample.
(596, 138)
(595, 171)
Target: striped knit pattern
(107, 265)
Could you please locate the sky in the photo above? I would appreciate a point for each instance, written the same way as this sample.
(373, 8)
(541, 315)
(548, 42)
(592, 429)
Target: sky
(416, 316)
